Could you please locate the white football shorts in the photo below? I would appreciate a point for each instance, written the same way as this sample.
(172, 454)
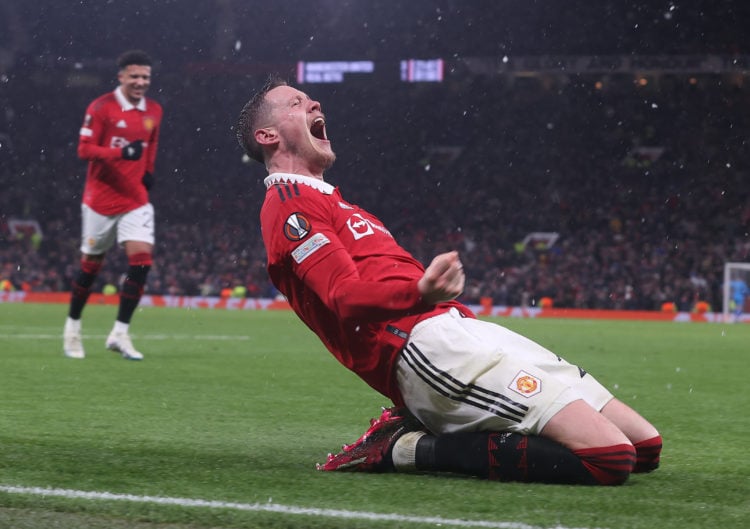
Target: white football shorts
(460, 374)
(99, 232)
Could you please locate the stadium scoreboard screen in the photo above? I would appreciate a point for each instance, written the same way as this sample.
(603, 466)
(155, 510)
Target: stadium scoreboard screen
(331, 71)
(417, 71)
(408, 70)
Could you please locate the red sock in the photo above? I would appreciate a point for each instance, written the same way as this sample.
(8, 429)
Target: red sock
(91, 267)
(81, 287)
(610, 465)
(140, 259)
(647, 454)
(502, 456)
(132, 289)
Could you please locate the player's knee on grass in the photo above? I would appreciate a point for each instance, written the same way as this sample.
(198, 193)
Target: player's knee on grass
(609, 465)
(647, 454)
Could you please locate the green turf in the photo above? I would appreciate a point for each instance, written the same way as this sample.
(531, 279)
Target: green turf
(238, 406)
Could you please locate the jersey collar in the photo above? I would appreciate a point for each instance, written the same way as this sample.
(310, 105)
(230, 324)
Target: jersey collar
(278, 178)
(127, 105)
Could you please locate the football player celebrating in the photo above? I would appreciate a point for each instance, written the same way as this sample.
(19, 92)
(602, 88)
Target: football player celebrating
(469, 396)
(119, 139)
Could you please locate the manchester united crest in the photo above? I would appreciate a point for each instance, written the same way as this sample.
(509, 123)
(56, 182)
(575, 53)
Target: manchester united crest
(526, 384)
(149, 123)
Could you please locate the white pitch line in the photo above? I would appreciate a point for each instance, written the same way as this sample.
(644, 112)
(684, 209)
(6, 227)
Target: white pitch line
(211, 337)
(266, 507)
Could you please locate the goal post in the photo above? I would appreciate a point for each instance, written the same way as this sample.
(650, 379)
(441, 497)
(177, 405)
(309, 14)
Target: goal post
(736, 295)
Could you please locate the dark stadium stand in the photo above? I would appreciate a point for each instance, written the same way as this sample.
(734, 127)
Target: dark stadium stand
(646, 182)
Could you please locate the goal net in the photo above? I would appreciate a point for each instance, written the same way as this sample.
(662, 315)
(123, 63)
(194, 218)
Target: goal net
(736, 299)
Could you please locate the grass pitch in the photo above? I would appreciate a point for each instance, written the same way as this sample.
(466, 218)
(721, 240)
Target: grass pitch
(222, 423)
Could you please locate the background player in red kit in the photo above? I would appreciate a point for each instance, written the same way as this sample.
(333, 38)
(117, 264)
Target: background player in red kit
(469, 396)
(119, 138)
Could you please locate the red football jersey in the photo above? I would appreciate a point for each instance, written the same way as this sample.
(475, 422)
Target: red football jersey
(344, 275)
(114, 185)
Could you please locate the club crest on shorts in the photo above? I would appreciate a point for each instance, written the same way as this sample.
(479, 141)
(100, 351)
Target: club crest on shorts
(296, 227)
(525, 384)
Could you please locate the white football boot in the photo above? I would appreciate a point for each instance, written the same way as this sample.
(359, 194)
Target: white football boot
(120, 343)
(72, 343)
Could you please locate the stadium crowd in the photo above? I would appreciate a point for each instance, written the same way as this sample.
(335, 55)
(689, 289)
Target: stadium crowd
(645, 183)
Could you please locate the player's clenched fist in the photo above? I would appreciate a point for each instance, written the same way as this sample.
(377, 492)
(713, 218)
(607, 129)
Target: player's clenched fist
(443, 280)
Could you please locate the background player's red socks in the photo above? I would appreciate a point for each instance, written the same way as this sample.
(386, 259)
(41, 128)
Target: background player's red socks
(132, 290)
(81, 287)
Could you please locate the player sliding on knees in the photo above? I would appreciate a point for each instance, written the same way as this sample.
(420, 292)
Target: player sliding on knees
(469, 396)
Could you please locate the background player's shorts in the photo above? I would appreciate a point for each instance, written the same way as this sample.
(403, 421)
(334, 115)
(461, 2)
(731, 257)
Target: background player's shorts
(99, 232)
(460, 374)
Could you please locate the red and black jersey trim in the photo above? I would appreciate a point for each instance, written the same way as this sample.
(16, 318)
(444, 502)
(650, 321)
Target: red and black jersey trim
(454, 389)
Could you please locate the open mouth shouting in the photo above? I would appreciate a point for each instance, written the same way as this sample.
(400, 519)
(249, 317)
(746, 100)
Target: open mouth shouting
(318, 128)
